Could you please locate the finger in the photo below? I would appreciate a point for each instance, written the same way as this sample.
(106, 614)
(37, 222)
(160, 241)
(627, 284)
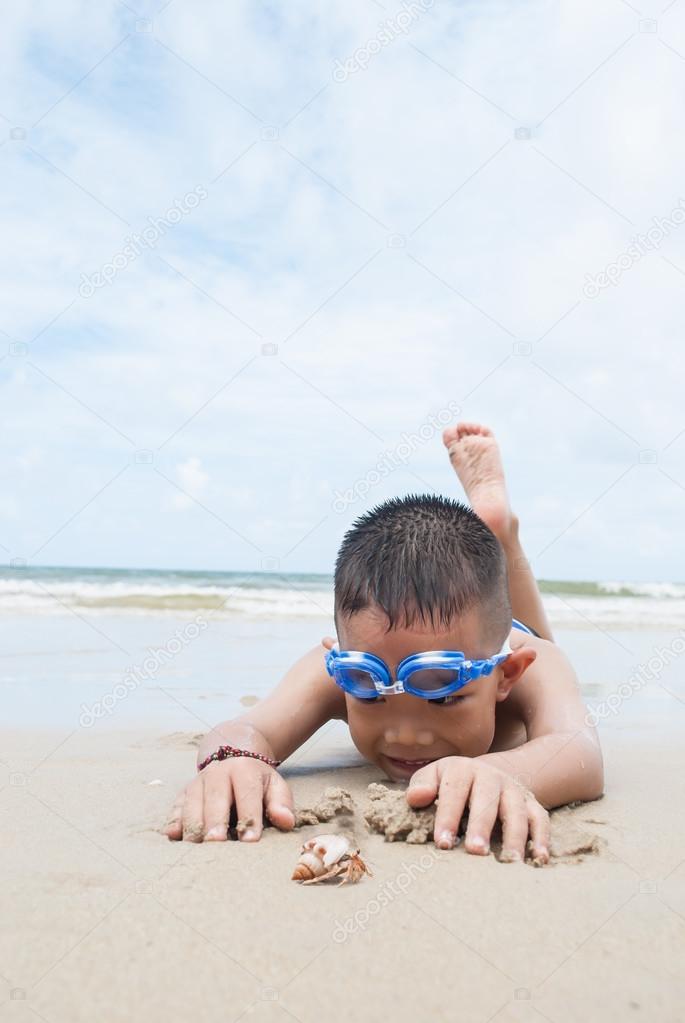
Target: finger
(193, 818)
(173, 826)
(248, 792)
(540, 831)
(423, 786)
(279, 802)
(514, 815)
(455, 786)
(218, 800)
(483, 811)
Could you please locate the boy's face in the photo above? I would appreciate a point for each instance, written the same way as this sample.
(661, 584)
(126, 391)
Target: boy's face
(401, 733)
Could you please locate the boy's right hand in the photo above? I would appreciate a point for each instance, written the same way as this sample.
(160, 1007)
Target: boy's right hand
(202, 809)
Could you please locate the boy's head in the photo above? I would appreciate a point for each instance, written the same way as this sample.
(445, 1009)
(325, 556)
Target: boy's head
(415, 574)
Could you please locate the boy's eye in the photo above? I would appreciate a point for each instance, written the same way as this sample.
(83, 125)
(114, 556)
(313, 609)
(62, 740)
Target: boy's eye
(444, 701)
(447, 701)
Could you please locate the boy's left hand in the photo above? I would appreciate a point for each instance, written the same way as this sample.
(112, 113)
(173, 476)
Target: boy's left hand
(462, 783)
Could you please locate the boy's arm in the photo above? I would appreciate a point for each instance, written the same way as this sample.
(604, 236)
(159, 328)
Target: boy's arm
(304, 700)
(544, 754)
(561, 761)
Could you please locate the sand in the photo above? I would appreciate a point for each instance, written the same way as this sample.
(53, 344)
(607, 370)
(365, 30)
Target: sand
(104, 919)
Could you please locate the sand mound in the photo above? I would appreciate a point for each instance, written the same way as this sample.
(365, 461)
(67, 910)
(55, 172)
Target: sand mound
(387, 813)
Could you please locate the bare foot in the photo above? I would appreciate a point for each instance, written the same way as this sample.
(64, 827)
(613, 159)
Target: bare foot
(475, 458)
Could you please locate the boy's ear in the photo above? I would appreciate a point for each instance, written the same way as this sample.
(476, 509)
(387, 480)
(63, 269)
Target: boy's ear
(512, 669)
(328, 642)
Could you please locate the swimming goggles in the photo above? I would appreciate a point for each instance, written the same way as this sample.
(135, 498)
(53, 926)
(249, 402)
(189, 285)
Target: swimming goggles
(430, 675)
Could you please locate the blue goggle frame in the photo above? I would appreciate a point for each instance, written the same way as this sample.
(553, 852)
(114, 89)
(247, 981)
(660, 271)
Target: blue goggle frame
(345, 666)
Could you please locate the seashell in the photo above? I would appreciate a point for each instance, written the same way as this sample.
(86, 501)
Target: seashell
(319, 854)
(328, 856)
(304, 871)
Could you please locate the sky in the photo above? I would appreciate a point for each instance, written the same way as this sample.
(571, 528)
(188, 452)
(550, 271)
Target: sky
(252, 252)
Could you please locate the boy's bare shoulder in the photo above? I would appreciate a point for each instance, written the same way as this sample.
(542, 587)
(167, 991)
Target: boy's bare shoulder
(549, 680)
(550, 663)
(517, 638)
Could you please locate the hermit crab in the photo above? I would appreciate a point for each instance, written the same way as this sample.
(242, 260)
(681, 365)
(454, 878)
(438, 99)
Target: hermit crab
(328, 856)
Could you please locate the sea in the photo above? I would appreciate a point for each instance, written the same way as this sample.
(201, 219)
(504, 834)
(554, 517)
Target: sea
(101, 647)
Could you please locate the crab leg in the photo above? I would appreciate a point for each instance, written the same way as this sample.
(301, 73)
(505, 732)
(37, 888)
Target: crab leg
(333, 872)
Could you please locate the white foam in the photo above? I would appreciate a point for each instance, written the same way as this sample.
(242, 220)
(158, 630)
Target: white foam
(618, 604)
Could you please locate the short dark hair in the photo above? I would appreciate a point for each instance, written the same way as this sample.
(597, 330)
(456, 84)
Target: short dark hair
(423, 558)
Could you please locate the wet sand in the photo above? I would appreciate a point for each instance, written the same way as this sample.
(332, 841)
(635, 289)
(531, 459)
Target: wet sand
(104, 918)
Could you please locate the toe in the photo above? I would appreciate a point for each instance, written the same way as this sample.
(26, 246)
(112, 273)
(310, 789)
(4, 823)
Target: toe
(467, 429)
(474, 430)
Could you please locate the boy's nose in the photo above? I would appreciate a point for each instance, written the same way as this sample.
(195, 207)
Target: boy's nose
(405, 733)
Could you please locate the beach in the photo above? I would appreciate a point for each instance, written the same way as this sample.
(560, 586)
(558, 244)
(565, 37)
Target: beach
(110, 920)
(391, 293)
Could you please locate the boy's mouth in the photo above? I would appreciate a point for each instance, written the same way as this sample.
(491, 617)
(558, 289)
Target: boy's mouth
(405, 768)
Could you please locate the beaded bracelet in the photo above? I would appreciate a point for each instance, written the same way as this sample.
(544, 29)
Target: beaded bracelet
(224, 752)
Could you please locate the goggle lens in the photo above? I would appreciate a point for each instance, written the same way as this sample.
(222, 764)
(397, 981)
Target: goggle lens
(429, 680)
(358, 682)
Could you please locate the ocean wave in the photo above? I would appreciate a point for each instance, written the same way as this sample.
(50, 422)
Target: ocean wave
(608, 613)
(657, 590)
(661, 591)
(569, 604)
(54, 596)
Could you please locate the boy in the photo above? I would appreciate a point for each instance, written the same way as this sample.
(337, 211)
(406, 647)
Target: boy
(505, 738)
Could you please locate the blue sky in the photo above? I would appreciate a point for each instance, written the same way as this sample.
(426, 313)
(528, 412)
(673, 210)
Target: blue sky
(369, 255)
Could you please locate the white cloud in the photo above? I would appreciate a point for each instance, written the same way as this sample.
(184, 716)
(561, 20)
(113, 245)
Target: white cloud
(296, 245)
(193, 480)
